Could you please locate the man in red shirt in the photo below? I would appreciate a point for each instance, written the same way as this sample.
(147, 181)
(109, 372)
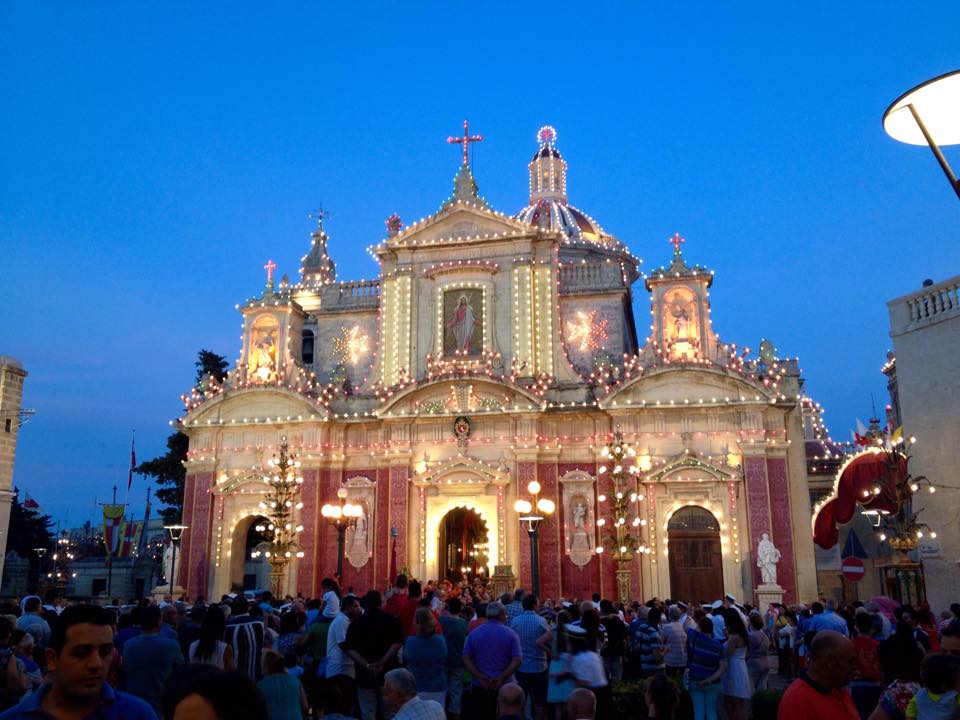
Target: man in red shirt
(820, 691)
(410, 607)
(398, 599)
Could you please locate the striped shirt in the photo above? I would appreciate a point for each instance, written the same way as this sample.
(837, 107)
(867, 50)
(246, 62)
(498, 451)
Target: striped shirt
(646, 641)
(245, 635)
(704, 655)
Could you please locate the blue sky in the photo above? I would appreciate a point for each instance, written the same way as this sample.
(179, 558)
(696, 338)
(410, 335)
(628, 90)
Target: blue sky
(152, 157)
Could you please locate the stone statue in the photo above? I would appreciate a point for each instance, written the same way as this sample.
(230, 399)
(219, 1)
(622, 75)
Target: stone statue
(767, 558)
(579, 515)
(168, 565)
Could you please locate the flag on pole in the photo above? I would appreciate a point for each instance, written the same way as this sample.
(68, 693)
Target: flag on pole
(133, 461)
(131, 538)
(112, 522)
(30, 503)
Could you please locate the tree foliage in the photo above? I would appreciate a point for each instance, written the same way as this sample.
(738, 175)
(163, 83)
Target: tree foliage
(167, 470)
(28, 529)
(209, 363)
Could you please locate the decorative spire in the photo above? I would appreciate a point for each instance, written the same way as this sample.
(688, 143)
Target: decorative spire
(316, 266)
(678, 264)
(394, 225)
(548, 170)
(269, 267)
(465, 190)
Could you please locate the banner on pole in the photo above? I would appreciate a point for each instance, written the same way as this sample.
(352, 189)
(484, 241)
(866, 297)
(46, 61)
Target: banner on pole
(112, 527)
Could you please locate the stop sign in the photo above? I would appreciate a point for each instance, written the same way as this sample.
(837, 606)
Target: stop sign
(852, 569)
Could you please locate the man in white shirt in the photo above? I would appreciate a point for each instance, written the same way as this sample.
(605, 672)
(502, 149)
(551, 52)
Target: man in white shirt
(400, 695)
(341, 672)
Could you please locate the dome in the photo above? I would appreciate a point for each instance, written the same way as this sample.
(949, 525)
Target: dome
(548, 206)
(557, 215)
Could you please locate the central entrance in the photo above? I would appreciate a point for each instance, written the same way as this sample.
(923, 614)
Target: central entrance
(696, 562)
(463, 549)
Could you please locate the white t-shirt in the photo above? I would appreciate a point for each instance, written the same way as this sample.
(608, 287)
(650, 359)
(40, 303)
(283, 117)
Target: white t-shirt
(587, 668)
(331, 604)
(338, 662)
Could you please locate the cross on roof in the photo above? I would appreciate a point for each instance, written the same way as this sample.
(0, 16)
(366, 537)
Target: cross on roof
(465, 141)
(676, 241)
(320, 215)
(270, 267)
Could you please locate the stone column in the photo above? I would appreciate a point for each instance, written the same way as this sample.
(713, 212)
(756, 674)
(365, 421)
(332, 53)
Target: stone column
(12, 376)
(399, 498)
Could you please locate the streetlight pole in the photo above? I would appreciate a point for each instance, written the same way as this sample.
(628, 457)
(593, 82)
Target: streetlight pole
(532, 514)
(340, 517)
(176, 532)
(929, 114)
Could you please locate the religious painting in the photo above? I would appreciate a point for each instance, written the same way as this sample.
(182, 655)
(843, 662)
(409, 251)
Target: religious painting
(463, 321)
(681, 334)
(262, 359)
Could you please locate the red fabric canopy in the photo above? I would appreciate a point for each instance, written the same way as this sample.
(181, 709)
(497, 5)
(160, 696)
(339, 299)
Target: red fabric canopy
(856, 486)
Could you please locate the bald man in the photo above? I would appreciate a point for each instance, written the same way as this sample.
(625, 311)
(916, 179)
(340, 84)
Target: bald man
(820, 692)
(582, 705)
(510, 702)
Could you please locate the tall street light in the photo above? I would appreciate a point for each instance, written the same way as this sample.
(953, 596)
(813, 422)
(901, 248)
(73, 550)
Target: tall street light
(280, 501)
(341, 516)
(929, 114)
(176, 532)
(532, 514)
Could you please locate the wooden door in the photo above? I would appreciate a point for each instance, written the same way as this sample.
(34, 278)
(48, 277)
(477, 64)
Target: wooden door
(696, 562)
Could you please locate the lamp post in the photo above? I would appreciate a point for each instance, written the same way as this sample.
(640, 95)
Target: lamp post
(176, 532)
(281, 499)
(624, 520)
(532, 514)
(62, 558)
(40, 551)
(929, 114)
(341, 516)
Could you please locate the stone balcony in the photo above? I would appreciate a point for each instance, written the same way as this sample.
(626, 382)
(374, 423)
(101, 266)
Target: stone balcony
(928, 306)
(351, 296)
(584, 278)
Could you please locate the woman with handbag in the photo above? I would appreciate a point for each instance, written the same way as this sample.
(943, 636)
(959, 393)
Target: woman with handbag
(706, 665)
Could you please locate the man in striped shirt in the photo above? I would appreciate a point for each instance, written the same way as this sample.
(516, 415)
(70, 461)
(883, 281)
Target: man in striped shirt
(646, 642)
(245, 635)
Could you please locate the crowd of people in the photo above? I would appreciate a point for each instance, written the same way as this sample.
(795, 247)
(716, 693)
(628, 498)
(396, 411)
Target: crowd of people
(437, 651)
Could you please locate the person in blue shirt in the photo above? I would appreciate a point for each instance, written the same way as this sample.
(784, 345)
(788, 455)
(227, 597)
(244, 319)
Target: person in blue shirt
(827, 619)
(149, 658)
(79, 655)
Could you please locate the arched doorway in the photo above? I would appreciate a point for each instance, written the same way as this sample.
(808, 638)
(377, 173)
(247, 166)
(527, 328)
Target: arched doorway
(248, 572)
(696, 562)
(463, 549)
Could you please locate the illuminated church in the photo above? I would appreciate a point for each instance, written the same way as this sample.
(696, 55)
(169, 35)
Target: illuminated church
(492, 350)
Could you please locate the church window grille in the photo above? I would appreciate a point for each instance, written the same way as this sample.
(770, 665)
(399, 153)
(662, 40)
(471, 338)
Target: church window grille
(693, 518)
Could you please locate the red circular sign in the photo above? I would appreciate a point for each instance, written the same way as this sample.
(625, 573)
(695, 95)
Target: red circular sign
(852, 569)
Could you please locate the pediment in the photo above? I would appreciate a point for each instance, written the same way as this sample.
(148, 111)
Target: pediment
(460, 223)
(462, 470)
(255, 404)
(685, 385)
(687, 467)
(466, 396)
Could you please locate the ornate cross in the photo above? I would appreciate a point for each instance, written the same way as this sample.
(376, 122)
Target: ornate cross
(320, 215)
(676, 241)
(270, 267)
(465, 141)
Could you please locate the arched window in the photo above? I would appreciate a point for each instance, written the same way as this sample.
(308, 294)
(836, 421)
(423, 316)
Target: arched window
(306, 347)
(693, 518)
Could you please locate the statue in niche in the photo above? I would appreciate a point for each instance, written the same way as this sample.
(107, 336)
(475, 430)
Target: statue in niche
(263, 354)
(358, 550)
(681, 320)
(581, 546)
(767, 558)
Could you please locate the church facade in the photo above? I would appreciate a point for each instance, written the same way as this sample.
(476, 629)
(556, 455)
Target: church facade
(494, 350)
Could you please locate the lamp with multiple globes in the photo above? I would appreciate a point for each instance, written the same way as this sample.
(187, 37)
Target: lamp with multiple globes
(63, 555)
(532, 513)
(622, 526)
(281, 500)
(340, 516)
